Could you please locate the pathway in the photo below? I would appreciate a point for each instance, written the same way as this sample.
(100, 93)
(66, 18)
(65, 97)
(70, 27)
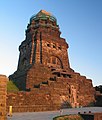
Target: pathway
(50, 114)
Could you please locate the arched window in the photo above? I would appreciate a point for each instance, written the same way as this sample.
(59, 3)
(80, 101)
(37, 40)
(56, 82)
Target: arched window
(55, 62)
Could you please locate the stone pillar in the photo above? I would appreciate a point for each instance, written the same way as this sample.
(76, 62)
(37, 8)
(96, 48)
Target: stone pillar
(3, 92)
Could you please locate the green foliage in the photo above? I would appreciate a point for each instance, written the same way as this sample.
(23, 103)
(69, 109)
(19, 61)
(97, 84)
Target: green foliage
(11, 87)
(66, 104)
(99, 88)
(91, 104)
(68, 117)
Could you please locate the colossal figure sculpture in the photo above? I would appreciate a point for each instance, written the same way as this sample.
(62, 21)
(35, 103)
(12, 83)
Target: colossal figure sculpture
(44, 66)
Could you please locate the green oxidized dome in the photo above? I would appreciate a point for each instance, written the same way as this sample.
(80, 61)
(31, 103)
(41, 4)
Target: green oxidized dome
(43, 15)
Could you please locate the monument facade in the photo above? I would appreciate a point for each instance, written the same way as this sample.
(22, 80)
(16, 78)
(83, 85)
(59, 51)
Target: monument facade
(44, 71)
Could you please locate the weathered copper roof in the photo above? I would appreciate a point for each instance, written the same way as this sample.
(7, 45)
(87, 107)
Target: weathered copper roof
(42, 14)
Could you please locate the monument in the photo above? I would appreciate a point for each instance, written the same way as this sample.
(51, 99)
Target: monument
(44, 73)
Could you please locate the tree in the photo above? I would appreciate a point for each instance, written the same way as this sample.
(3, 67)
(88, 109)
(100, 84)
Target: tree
(99, 88)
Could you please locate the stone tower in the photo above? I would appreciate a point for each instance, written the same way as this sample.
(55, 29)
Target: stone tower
(43, 44)
(44, 64)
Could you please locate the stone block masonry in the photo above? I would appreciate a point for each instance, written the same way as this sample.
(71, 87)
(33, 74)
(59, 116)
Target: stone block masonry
(31, 101)
(3, 92)
(51, 94)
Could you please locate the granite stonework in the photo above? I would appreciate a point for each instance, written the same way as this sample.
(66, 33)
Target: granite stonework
(44, 71)
(3, 93)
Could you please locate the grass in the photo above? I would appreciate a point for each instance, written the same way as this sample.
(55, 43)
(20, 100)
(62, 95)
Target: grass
(11, 87)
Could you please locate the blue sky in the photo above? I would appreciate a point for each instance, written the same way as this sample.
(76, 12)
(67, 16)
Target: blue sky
(80, 22)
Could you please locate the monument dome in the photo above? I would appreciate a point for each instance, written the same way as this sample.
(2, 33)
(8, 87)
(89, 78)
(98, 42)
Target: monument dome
(44, 15)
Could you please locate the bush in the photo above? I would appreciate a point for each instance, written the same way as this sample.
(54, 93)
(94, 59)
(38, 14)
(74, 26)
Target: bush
(91, 104)
(68, 117)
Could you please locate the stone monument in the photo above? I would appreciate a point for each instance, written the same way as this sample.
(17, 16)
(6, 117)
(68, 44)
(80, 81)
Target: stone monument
(44, 69)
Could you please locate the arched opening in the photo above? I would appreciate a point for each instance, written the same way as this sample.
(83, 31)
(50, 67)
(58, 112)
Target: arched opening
(54, 62)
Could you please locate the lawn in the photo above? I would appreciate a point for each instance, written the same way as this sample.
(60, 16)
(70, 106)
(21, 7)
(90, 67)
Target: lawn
(11, 87)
